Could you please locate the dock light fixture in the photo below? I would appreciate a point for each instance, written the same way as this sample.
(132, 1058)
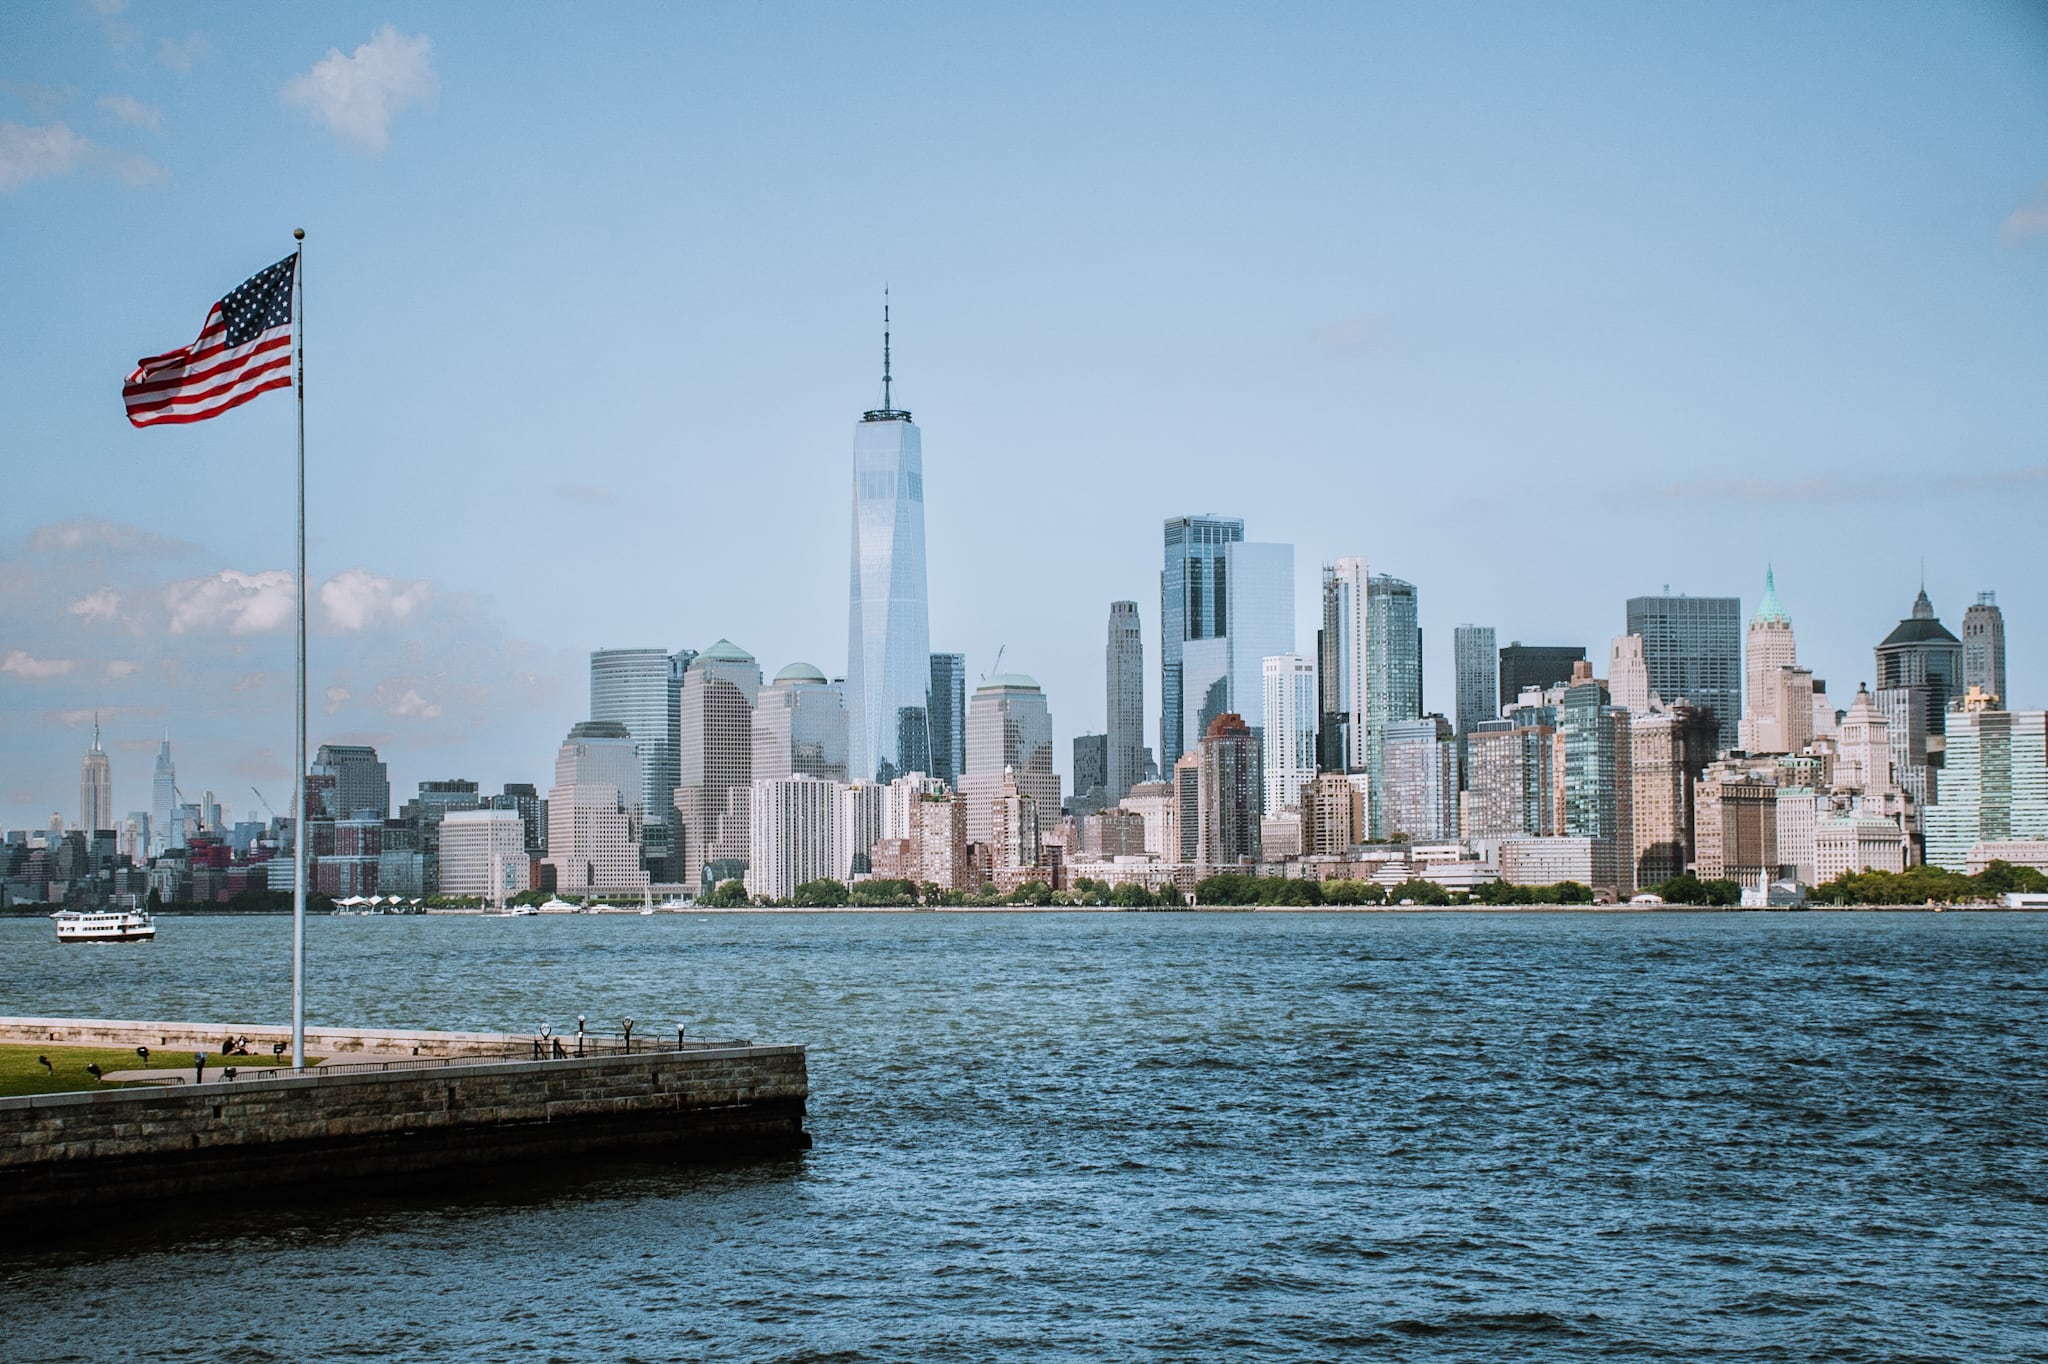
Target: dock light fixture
(579, 1034)
(627, 1024)
(679, 1037)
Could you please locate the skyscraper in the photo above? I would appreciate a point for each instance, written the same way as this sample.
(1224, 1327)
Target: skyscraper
(1193, 606)
(717, 758)
(1393, 676)
(888, 632)
(1596, 790)
(1984, 648)
(947, 702)
(799, 727)
(359, 780)
(1420, 795)
(95, 787)
(642, 690)
(1091, 770)
(1227, 776)
(1994, 784)
(1009, 729)
(1628, 675)
(1478, 676)
(1289, 749)
(1535, 665)
(1340, 667)
(1693, 649)
(594, 812)
(1919, 671)
(1260, 591)
(163, 805)
(1777, 701)
(1124, 677)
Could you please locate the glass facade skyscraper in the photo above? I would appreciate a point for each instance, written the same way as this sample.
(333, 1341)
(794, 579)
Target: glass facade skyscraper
(1340, 667)
(1693, 649)
(1393, 676)
(1261, 606)
(888, 632)
(1124, 673)
(642, 690)
(946, 701)
(1478, 664)
(1193, 605)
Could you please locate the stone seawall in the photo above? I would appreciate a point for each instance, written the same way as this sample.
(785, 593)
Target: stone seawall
(393, 1127)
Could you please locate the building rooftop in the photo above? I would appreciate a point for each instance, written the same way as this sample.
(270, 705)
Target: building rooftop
(725, 651)
(1014, 681)
(800, 672)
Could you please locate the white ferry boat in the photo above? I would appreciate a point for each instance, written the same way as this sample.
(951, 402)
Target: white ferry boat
(103, 925)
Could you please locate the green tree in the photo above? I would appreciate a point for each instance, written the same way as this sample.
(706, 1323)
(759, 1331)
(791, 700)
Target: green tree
(727, 895)
(1030, 893)
(1420, 892)
(824, 893)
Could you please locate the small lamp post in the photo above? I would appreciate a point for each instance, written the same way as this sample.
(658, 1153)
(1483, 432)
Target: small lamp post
(627, 1024)
(579, 1034)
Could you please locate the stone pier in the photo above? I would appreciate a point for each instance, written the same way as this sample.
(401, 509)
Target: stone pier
(395, 1109)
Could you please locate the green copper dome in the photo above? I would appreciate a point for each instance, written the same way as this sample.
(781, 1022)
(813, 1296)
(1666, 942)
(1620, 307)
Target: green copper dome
(800, 672)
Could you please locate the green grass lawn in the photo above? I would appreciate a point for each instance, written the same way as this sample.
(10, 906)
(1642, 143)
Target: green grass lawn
(21, 1073)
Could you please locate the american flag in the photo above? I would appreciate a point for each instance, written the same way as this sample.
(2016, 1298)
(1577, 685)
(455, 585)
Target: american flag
(244, 349)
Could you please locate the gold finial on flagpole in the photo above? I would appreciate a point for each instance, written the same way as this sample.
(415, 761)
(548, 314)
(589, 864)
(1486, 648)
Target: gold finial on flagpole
(298, 234)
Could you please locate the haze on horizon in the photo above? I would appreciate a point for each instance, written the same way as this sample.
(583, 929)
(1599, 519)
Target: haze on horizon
(1537, 309)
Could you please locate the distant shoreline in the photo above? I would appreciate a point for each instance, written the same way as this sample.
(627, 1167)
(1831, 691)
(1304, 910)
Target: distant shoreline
(19, 913)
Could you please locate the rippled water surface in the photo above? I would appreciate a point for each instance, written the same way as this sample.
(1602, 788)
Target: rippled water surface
(1112, 1137)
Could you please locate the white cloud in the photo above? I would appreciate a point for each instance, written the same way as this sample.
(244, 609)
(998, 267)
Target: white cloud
(358, 599)
(241, 603)
(104, 604)
(44, 152)
(121, 667)
(358, 96)
(2028, 220)
(181, 54)
(396, 698)
(40, 153)
(132, 112)
(26, 666)
(337, 697)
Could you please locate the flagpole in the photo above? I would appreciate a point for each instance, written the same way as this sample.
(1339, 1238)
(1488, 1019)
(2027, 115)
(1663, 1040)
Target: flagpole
(299, 709)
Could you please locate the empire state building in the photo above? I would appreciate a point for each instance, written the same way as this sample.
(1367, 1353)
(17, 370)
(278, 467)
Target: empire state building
(888, 622)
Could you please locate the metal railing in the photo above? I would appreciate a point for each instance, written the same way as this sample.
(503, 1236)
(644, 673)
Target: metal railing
(547, 1048)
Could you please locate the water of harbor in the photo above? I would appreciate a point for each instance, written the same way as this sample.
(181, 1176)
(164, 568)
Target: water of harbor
(1148, 1136)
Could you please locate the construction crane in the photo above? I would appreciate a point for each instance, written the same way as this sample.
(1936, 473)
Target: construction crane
(266, 804)
(997, 666)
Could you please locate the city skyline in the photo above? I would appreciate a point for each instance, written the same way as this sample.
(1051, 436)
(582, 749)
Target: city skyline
(147, 581)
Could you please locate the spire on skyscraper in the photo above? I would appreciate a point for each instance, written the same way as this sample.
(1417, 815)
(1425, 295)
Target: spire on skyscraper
(1768, 608)
(888, 411)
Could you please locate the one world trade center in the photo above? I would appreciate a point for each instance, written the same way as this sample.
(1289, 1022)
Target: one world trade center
(888, 624)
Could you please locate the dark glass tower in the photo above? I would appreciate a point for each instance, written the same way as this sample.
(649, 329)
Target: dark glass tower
(1692, 647)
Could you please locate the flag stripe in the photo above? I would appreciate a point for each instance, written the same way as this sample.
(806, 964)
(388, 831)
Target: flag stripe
(175, 376)
(243, 349)
(175, 418)
(192, 396)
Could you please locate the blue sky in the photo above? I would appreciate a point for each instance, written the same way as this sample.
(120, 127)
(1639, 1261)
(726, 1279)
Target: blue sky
(1537, 307)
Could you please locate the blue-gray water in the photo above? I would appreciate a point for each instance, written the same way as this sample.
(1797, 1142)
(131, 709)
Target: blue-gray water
(1112, 1137)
